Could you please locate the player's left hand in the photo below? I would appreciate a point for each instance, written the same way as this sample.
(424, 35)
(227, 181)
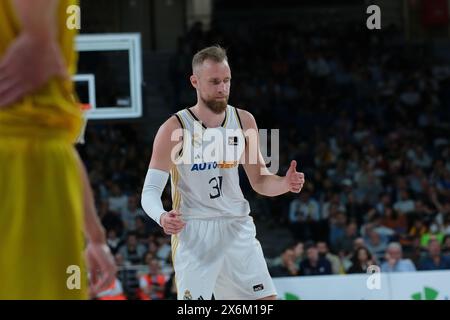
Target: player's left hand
(294, 179)
(27, 65)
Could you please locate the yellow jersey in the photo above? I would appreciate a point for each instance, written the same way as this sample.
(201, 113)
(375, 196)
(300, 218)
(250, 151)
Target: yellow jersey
(41, 207)
(54, 107)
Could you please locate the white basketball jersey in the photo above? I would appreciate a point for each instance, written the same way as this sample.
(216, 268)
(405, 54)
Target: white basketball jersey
(205, 180)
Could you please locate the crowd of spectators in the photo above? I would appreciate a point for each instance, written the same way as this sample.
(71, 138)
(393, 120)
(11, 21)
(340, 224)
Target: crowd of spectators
(366, 117)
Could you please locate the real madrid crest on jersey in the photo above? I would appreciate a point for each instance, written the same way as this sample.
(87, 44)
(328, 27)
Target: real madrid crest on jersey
(197, 140)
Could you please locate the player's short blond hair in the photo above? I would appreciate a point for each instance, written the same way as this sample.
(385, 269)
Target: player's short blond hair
(215, 53)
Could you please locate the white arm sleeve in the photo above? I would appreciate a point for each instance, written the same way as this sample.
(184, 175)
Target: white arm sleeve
(154, 184)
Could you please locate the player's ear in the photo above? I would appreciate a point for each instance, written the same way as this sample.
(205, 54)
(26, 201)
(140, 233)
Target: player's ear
(194, 81)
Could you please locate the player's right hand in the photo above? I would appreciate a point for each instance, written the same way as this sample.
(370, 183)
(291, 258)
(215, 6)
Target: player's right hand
(28, 64)
(293, 179)
(171, 222)
(102, 267)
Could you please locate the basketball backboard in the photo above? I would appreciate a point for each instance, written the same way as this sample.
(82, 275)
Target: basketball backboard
(109, 76)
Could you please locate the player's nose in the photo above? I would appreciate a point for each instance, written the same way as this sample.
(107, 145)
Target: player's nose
(222, 88)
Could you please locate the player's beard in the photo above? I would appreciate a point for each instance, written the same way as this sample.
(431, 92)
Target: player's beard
(216, 106)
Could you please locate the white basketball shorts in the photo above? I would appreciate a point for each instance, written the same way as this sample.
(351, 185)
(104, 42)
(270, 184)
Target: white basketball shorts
(220, 258)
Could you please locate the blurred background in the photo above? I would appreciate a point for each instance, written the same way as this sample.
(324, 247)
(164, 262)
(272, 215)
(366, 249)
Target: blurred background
(366, 114)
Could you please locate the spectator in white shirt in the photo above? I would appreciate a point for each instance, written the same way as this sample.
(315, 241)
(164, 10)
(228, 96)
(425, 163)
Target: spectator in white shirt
(131, 212)
(304, 208)
(304, 216)
(394, 261)
(118, 201)
(405, 204)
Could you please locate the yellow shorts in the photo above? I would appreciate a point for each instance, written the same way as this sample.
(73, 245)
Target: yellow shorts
(41, 220)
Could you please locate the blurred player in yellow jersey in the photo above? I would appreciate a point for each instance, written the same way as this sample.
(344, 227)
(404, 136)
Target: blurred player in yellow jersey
(46, 200)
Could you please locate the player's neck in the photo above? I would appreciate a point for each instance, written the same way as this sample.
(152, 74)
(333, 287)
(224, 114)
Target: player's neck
(207, 116)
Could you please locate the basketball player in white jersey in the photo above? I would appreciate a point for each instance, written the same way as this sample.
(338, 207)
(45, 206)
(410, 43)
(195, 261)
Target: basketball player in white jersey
(215, 252)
